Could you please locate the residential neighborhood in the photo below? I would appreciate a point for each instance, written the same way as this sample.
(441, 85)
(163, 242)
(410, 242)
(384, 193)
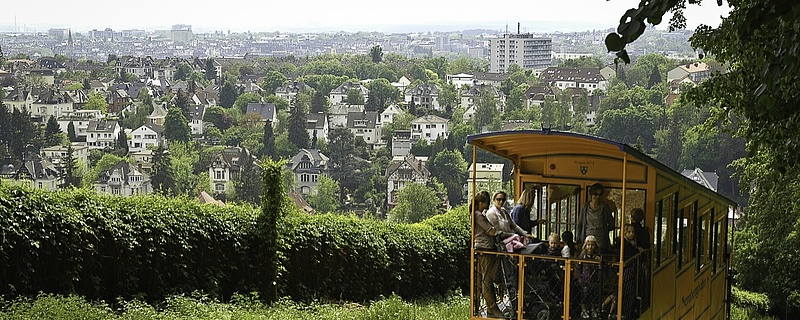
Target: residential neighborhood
(197, 123)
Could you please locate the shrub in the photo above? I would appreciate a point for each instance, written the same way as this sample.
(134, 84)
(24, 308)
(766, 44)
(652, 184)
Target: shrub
(150, 247)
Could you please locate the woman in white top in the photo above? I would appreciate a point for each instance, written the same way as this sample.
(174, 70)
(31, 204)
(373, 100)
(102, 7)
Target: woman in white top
(501, 220)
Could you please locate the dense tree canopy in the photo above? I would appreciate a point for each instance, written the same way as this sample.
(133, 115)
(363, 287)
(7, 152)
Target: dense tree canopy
(756, 99)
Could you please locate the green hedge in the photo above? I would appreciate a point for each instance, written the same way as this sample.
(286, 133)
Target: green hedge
(104, 247)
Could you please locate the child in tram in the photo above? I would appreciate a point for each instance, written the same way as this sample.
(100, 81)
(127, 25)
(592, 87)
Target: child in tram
(556, 247)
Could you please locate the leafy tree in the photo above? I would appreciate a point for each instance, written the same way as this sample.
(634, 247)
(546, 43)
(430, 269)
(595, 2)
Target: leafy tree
(86, 84)
(583, 62)
(211, 70)
(449, 167)
(217, 116)
(284, 148)
(516, 99)
(183, 71)
(655, 77)
(25, 136)
(272, 81)
(319, 102)
(244, 99)
(297, 126)
(228, 94)
(485, 111)
(415, 202)
(438, 65)
(182, 99)
(354, 96)
(381, 94)
(322, 82)
(182, 161)
(627, 125)
(549, 112)
(107, 161)
(343, 168)
(269, 142)
(52, 132)
(325, 198)
(122, 142)
(96, 101)
(249, 183)
(376, 52)
(176, 127)
(279, 102)
(448, 97)
(69, 176)
(162, 177)
(71, 132)
(75, 86)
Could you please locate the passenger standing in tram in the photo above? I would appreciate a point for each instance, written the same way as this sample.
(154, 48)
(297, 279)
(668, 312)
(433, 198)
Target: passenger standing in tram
(569, 241)
(596, 219)
(642, 234)
(588, 278)
(488, 267)
(501, 220)
(521, 213)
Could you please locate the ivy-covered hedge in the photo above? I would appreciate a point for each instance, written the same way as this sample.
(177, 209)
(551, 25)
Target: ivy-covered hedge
(104, 247)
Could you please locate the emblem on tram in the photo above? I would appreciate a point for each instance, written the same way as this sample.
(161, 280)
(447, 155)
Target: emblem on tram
(584, 169)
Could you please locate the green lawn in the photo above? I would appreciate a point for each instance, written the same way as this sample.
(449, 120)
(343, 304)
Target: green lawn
(244, 307)
(241, 307)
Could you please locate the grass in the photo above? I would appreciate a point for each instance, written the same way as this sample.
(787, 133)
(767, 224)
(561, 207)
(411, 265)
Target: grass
(246, 307)
(197, 306)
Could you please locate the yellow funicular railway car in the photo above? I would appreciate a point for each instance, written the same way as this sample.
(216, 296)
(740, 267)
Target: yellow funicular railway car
(680, 271)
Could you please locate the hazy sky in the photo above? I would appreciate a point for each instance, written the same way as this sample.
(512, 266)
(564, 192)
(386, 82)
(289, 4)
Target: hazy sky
(345, 15)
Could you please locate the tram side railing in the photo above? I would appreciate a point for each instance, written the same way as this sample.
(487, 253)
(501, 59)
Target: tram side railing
(563, 288)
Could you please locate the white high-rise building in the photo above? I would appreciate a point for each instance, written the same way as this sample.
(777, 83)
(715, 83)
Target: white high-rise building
(524, 49)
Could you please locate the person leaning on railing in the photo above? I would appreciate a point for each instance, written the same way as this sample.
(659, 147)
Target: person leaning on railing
(488, 267)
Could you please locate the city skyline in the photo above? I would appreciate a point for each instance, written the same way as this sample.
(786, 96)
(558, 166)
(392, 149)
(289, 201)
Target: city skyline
(345, 15)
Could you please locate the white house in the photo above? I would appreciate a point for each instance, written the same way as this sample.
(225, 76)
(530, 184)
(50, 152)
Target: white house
(365, 125)
(339, 94)
(80, 121)
(317, 126)
(403, 172)
(401, 143)
(38, 172)
(148, 135)
(583, 78)
(402, 84)
(57, 154)
(101, 134)
(290, 90)
(423, 95)
(337, 113)
(429, 127)
(390, 113)
(51, 103)
(488, 176)
(225, 167)
(695, 71)
(307, 165)
(123, 179)
(20, 98)
(461, 79)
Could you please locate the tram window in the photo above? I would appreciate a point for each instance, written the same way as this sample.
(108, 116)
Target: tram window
(674, 225)
(684, 236)
(665, 212)
(558, 204)
(701, 228)
(712, 240)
